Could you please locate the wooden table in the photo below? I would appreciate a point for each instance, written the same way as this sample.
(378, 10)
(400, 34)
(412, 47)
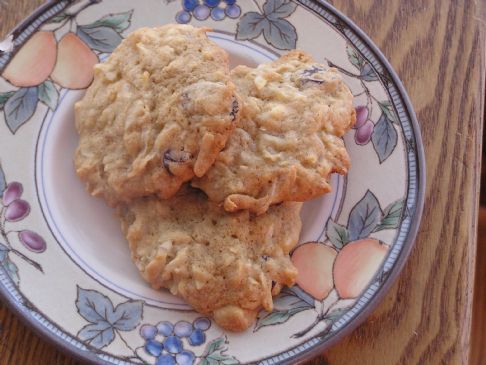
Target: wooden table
(438, 49)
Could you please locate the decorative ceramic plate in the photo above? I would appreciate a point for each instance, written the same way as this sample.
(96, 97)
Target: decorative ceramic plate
(64, 264)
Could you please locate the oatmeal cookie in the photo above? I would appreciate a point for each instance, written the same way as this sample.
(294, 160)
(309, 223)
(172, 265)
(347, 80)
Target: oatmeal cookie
(288, 141)
(227, 265)
(158, 112)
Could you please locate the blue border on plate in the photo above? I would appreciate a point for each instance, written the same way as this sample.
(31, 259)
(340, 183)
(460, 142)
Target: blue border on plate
(393, 263)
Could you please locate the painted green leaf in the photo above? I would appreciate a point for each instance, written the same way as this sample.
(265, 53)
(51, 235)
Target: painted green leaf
(59, 17)
(367, 73)
(94, 306)
(336, 314)
(214, 354)
(278, 317)
(364, 217)
(118, 22)
(280, 33)
(48, 94)
(384, 138)
(302, 295)
(127, 315)
(293, 297)
(278, 8)
(354, 57)
(97, 335)
(250, 26)
(20, 107)
(215, 345)
(102, 39)
(391, 216)
(337, 234)
(12, 270)
(286, 300)
(4, 98)
(387, 108)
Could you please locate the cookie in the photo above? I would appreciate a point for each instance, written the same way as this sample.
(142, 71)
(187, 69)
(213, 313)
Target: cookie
(288, 141)
(157, 113)
(226, 265)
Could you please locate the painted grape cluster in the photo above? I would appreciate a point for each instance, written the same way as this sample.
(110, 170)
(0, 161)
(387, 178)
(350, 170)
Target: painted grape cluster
(334, 270)
(165, 341)
(203, 9)
(16, 209)
(163, 344)
(381, 131)
(13, 210)
(364, 127)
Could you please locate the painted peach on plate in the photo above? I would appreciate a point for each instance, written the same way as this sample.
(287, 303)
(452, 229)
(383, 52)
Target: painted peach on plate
(34, 62)
(314, 262)
(356, 264)
(382, 198)
(75, 61)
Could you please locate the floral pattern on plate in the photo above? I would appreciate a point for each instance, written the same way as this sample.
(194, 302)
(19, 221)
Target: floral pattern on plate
(335, 272)
(353, 239)
(13, 210)
(67, 63)
(165, 343)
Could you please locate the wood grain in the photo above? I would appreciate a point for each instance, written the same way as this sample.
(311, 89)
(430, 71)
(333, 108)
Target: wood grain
(438, 50)
(478, 335)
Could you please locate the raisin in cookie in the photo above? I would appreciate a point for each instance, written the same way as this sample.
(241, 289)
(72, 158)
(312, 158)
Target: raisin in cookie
(227, 265)
(158, 112)
(288, 140)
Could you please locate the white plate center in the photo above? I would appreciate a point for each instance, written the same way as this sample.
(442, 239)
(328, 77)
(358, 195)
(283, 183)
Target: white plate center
(87, 229)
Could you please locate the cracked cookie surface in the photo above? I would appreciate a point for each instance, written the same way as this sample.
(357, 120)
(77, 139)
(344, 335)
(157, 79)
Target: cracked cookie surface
(288, 140)
(227, 265)
(158, 112)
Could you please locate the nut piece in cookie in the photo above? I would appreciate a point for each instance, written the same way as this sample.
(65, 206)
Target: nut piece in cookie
(227, 265)
(157, 114)
(288, 141)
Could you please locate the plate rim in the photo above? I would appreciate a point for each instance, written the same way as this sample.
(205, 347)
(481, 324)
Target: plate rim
(87, 355)
(409, 242)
